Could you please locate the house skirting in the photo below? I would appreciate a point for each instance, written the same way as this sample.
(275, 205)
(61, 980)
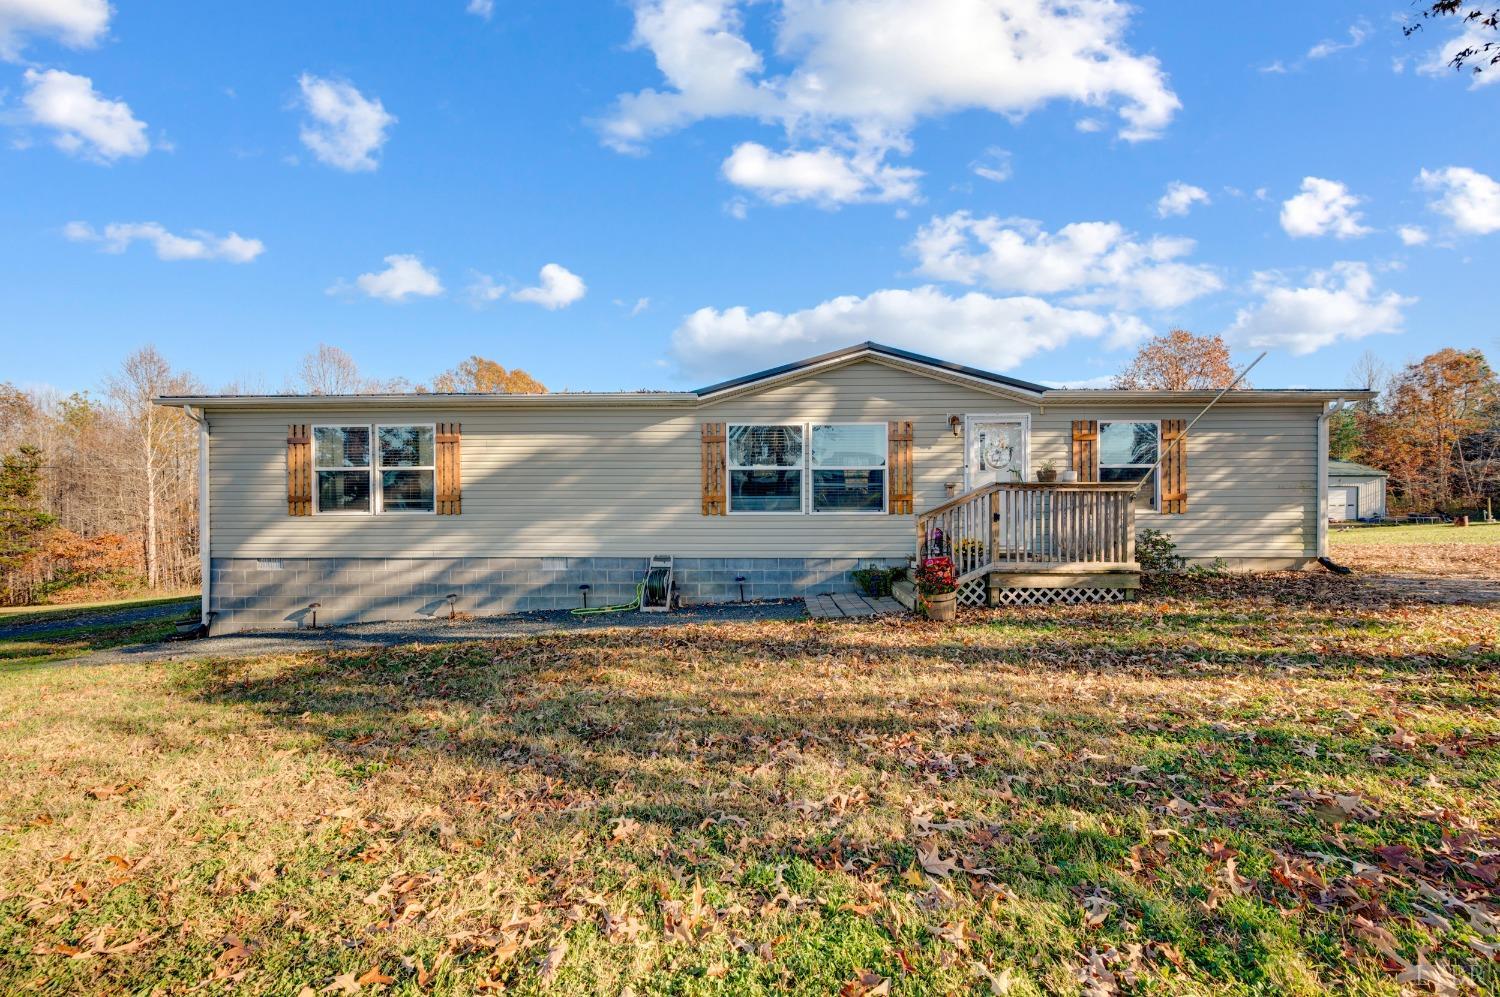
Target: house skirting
(277, 593)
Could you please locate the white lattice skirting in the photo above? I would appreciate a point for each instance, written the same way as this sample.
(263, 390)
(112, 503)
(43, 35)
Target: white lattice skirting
(1058, 596)
(972, 593)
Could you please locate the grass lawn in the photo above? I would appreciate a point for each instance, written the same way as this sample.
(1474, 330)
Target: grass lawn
(1364, 536)
(1262, 786)
(10, 615)
(74, 634)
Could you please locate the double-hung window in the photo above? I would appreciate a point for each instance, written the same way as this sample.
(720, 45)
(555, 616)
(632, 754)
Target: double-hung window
(408, 468)
(811, 467)
(765, 468)
(1128, 452)
(380, 469)
(341, 460)
(848, 462)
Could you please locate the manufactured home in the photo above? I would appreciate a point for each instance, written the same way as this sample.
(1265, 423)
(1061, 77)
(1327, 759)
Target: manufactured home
(777, 484)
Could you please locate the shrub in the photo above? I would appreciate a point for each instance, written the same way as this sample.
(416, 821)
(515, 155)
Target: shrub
(1156, 552)
(875, 581)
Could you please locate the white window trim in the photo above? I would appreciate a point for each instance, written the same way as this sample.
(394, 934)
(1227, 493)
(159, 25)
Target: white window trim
(884, 469)
(378, 467)
(730, 468)
(1156, 483)
(369, 470)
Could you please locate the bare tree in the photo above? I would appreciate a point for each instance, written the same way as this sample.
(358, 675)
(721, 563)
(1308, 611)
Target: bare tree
(1478, 56)
(162, 438)
(331, 371)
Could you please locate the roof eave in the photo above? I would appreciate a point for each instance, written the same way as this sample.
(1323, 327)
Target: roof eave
(1248, 396)
(431, 400)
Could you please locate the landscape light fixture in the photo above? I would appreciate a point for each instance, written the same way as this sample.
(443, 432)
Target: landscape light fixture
(741, 580)
(452, 605)
(584, 588)
(313, 607)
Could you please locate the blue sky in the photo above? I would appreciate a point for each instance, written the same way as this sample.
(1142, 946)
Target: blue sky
(666, 192)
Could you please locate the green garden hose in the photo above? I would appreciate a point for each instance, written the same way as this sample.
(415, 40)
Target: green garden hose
(623, 607)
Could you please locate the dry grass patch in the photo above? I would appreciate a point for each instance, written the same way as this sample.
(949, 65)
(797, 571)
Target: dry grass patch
(1243, 787)
(1425, 551)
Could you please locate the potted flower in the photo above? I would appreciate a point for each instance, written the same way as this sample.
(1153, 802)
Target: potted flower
(938, 587)
(1047, 473)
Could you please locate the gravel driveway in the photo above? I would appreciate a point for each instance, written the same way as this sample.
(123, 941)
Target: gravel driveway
(441, 631)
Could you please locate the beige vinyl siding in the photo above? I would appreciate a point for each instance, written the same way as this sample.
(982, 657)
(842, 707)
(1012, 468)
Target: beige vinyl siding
(625, 482)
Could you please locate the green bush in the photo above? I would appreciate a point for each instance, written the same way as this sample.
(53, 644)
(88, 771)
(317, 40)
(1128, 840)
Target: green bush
(875, 581)
(1156, 552)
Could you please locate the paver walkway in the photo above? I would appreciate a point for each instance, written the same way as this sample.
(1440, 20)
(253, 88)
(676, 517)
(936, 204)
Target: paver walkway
(825, 607)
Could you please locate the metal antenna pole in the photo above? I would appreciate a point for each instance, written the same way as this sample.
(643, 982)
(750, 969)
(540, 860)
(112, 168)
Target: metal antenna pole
(1162, 451)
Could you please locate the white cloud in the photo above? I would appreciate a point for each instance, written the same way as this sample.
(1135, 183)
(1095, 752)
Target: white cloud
(823, 176)
(993, 333)
(861, 74)
(1325, 207)
(1180, 198)
(347, 128)
(484, 290)
(1412, 235)
(1469, 198)
(75, 23)
(1096, 262)
(117, 237)
(995, 165)
(482, 8)
(1468, 37)
(86, 123)
(641, 304)
(1359, 32)
(404, 277)
(1340, 303)
(559, 288)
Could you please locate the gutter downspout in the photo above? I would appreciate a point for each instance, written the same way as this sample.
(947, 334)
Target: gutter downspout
(205, 561)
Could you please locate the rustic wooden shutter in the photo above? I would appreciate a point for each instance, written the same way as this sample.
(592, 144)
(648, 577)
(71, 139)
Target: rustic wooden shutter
(712, 477)
(449, 473)
(1174, 466)
(899, 438)
(1086, 449)
(299, 473)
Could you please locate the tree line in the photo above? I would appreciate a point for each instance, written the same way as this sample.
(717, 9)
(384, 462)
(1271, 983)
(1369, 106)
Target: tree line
(99, 489)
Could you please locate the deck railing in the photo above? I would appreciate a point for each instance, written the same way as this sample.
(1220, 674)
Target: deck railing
(1033, 527)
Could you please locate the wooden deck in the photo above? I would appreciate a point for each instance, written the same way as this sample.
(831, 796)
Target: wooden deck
(845, 605)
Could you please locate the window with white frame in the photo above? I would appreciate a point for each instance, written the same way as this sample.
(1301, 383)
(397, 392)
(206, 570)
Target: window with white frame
(799, 468)
(848, 467)
(390, 470)
(765, 468)
(341, 462)
(1128, 452)
(408, 468)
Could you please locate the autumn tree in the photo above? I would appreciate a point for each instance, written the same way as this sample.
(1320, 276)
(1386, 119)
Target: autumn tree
(1477, 55)
(1178, 361)
(478, 375)
(329, 370)
(1437, 431)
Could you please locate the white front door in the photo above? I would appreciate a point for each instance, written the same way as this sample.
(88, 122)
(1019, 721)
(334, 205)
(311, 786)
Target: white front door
(995, 449)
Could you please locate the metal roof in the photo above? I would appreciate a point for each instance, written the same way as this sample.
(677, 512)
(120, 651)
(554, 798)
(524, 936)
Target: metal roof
(1037, 392)
(1356, 470)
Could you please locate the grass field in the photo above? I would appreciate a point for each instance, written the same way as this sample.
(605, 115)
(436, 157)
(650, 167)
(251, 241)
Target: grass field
(10, 615)
(1432, 551)
(1266, 786)
(1359, 536)
(65, 632)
